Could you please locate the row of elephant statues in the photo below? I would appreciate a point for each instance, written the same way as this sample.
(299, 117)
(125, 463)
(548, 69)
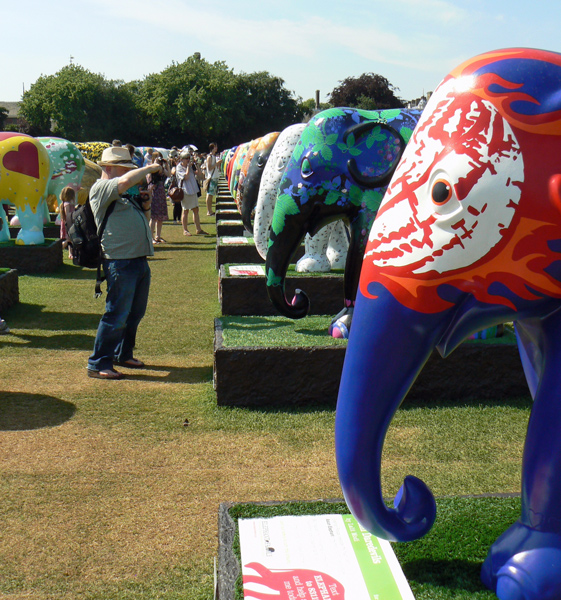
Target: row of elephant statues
(467, 235)
(33, 172)
(321, 182)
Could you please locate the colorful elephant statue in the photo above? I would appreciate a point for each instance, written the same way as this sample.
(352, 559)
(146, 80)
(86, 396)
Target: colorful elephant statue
(338, 170)
(238, 161)
(249, 192)
(272, 175)
(243, 171)
(67, 166)
(24, 177)
(468, 236)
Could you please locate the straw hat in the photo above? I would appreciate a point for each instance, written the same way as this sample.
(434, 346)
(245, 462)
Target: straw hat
(116, 157)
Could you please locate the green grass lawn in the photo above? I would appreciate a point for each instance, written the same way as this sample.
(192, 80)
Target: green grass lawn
(110, 490)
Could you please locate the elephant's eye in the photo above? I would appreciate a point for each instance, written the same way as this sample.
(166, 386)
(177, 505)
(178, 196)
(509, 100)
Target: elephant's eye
(261, 161)
(281, 163)
(441, 191)
(306, 168)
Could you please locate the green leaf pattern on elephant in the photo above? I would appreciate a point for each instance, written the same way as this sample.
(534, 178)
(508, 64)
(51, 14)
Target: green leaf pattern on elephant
(349, 146)
(356, 195)
(372, 199)
(332, 197)
(286, 205)
(315, 137)
(406, 133)
(375, 135)
(272, 279)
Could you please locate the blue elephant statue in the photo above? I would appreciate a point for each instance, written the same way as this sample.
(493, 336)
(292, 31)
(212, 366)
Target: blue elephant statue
(339, 169)
(468, 236)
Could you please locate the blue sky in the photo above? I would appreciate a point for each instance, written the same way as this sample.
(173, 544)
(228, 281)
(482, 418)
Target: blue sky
(311, 44)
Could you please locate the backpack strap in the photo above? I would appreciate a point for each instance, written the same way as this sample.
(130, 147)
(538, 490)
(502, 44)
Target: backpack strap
(101, 278)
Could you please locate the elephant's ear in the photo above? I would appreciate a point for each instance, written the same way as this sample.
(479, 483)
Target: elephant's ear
(382, 147)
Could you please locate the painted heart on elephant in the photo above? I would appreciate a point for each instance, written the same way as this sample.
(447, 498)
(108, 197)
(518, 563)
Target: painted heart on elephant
(24, 176)
(468, 236)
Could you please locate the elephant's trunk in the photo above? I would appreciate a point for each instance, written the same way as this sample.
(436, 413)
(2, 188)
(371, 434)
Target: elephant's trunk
(282, 248)
(377, 374)
(249, 201)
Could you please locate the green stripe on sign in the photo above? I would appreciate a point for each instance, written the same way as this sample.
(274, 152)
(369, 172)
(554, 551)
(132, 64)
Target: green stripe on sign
(377, 573)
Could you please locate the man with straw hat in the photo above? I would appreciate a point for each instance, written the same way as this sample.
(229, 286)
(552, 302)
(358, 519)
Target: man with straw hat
(126, 243)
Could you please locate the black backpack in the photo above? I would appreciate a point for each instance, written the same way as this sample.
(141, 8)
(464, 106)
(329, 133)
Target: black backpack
(85, 238)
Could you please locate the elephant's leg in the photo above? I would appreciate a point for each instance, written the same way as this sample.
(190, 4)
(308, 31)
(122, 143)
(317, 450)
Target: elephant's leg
(4, 226)
(525, 562)
(315, 258)
(341, 323)
(31, 232)
(338, 245)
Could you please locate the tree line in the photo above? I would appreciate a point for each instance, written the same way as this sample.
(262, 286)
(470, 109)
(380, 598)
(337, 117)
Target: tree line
(192, 102)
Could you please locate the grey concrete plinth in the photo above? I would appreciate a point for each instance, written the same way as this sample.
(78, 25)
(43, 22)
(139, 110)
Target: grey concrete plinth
(229, 228)
(227, 214)
(247, 294)
(231, 252)
(9, 290)
(302, 376)
(32, 259)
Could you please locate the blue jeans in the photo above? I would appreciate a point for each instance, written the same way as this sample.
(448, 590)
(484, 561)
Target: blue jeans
(128, 284)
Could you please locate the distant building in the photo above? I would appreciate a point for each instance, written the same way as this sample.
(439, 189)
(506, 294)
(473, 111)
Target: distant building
(419, 103)
(13, 114)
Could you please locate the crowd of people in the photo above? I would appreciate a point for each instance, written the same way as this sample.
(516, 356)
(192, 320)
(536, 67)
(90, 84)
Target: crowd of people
(193, 171)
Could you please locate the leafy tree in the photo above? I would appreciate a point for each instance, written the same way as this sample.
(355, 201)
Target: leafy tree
(78, 105)
(199, 102)
(369, 91)
(189, 102)
(265, 105)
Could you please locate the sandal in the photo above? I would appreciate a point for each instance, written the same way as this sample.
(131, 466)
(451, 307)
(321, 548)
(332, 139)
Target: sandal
(105, 374)
(131, 363)
(201, 232)
(210, 214)
(160, 240)
(186, 233)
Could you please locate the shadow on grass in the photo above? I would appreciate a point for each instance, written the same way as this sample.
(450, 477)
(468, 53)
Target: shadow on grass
(34, 316)
(22, 412)
(64, 341)
(524, 402)
(458, 575)
(171, 375)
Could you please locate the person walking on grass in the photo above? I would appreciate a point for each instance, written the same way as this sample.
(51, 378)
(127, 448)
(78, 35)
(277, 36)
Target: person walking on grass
(185, 174)
(213, 174)
(126, 243)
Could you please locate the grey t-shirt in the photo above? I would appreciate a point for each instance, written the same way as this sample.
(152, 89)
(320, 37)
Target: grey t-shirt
(127, 233)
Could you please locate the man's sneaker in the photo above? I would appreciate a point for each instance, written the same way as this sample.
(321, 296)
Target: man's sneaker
(4, 327)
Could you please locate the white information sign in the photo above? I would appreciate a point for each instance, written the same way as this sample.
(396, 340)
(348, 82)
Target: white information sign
(323, 557)
(247, 270)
